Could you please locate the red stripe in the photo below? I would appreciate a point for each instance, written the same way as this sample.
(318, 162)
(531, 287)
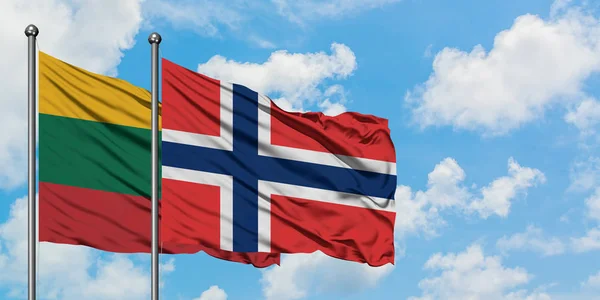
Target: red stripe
(344, 232)
(113, 222)
(191, 101)
(192, 213)
(350, 134)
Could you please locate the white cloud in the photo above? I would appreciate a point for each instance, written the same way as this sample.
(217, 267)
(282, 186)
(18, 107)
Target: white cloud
(592, 204)
(210, 17)
(533, 65)
(415, 214)
(301, 11)
(286, 105)
(168, 266)
(585, 174)
(443, 184)
(201, 16)
(261, 42)
(586, 116)
(332, 109)
(213, 293)
(298, 78)
(70, 31)
(333, 105)
(525, 295)
(118, 278)
(589, 242)
(66, 271)
(532, 239)
(302, 274)
(593, 282)
(427, 53)
(213, 18)
(420, 211)
(496, 196)
(472, 275)
(559, 6)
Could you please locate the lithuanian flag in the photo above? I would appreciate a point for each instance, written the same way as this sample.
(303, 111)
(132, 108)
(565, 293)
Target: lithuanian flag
(94, 164)
(94, 159)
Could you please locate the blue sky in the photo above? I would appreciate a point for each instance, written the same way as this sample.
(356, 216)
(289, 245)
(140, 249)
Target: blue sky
(493, 109)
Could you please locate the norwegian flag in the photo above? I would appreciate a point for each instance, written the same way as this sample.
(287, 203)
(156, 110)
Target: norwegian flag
(240, 174)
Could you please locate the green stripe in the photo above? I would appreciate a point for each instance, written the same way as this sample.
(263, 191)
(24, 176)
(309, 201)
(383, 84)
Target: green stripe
(94, 155)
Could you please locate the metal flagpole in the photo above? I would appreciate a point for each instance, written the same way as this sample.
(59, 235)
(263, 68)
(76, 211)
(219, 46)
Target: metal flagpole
(154, 39)
(31, 32)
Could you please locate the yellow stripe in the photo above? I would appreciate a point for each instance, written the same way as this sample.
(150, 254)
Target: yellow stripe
(69, 91)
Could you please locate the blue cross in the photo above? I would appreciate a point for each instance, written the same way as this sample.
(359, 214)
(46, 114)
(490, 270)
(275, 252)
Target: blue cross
(247, 168)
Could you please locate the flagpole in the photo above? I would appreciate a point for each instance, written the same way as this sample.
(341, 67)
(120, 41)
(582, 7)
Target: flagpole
(154, 39)
(31, 32)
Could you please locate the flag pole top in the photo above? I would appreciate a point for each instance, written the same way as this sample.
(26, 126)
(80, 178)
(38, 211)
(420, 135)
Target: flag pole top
(154, 38)
(32, 30)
